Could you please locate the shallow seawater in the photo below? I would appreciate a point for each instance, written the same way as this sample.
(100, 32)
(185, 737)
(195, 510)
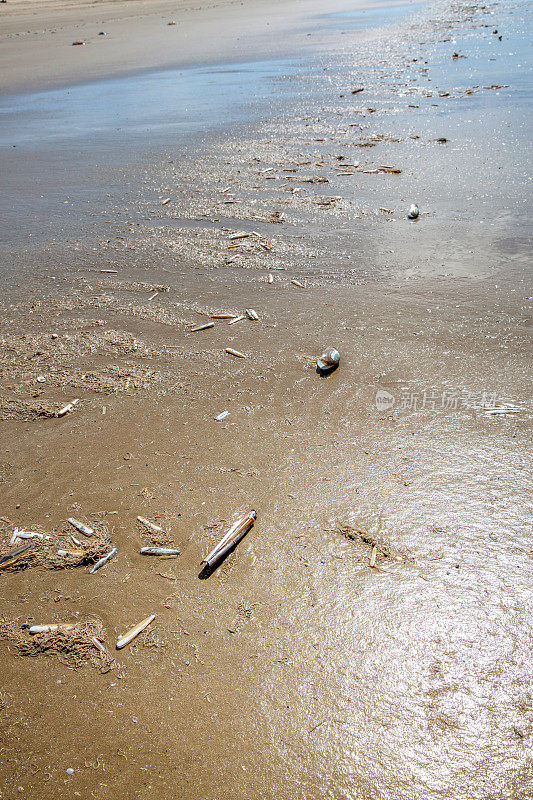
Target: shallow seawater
(66, 147)
(157, 105)
(361, 18)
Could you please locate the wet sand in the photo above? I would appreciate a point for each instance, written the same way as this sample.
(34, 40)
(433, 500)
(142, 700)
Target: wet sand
(295, 670)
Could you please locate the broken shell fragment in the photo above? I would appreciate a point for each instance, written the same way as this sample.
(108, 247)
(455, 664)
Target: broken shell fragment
(414, 212)
(133, 632)
(237, 531)
(29, 535)
(328, 360)
(67, 408)
(251, 314)
(15, 537)
(151, 525)
(159, 551)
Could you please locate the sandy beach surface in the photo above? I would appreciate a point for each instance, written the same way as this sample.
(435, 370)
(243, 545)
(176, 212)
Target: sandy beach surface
(370, 637)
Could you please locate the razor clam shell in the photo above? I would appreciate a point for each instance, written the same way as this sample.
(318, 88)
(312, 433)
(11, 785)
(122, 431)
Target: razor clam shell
(63, 626)
(80, 526)
(203, 327)
(112, 553)
(14, 555)
(99, 646)
(159, 551)
(237, 531)
(236, 353)
(122, 641)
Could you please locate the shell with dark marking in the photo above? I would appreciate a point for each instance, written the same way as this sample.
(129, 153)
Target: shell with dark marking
(329, 359)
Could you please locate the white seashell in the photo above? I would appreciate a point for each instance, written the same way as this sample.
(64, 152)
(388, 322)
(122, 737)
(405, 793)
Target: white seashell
(251, 314)
(414, 212)
(159, 551)
(329, 359)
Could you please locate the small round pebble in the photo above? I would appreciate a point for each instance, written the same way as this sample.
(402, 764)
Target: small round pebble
(70, 771)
